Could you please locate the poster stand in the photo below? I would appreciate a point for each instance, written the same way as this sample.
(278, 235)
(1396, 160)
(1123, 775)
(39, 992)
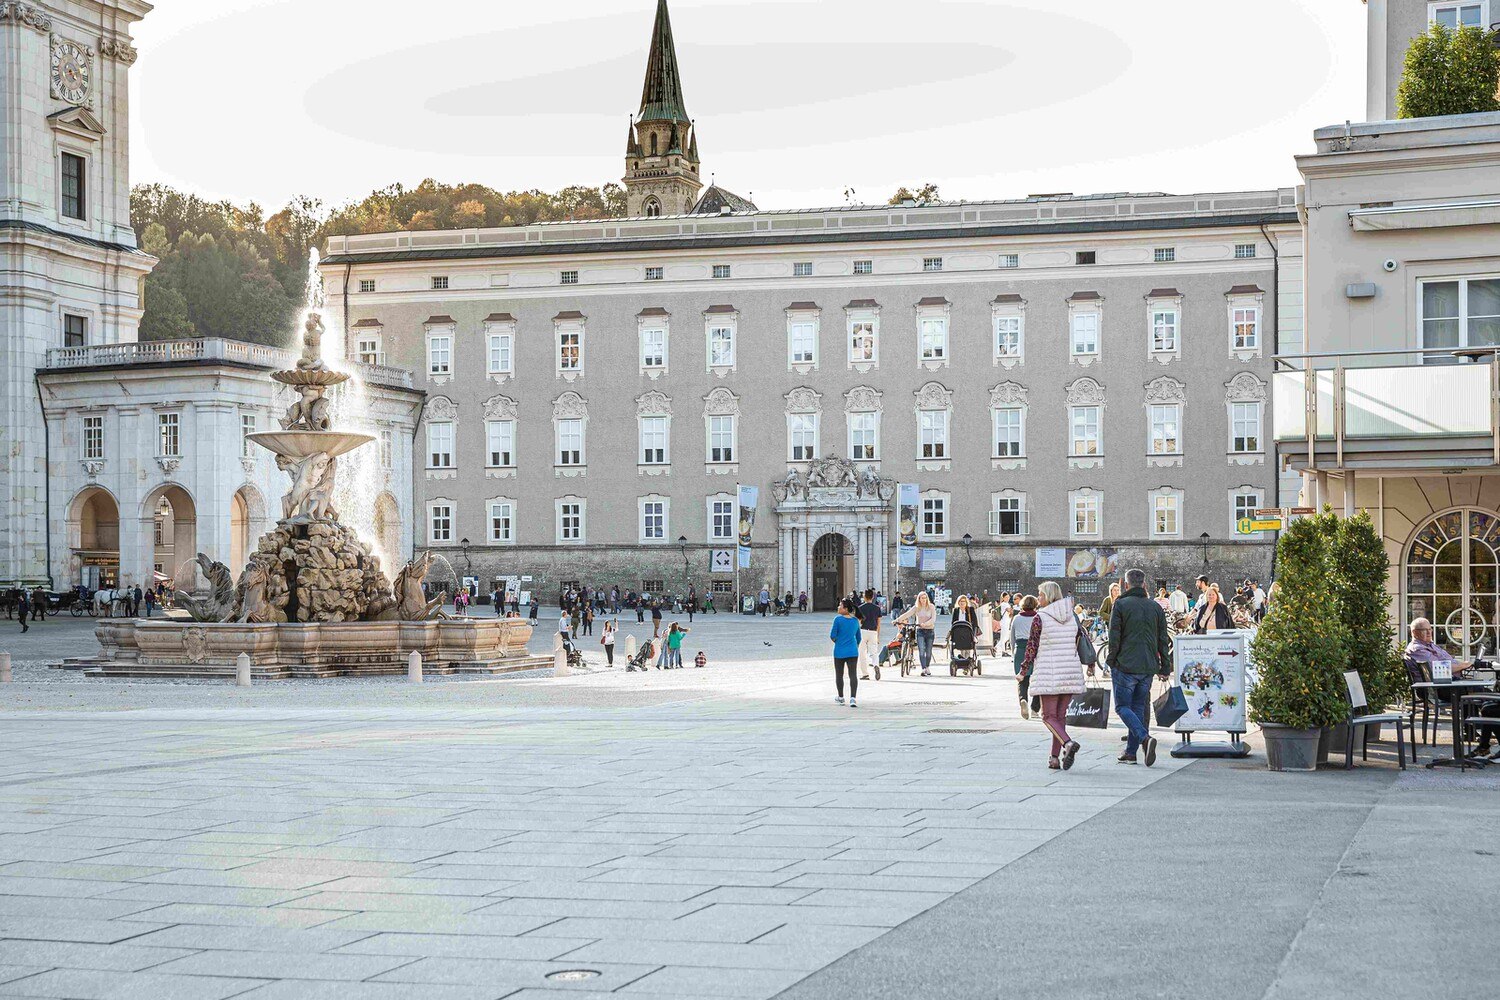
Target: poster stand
(1211, 670)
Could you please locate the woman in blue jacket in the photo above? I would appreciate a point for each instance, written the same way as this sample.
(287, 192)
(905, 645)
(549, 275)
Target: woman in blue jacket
(845, 636)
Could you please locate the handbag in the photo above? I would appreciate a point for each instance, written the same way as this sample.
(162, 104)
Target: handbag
(1171, 706)
(1087, 654)
(1090, 710)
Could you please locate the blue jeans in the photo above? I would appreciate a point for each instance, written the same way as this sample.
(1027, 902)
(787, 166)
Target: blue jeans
(924, 647)
(1133, 706)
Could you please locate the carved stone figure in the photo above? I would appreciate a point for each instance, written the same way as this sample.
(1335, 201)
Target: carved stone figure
(412, 604)
(312, 486)
(250, 594)
(310, 412)
(312, 345)
(832, 473)
(789, 488)
(869, 484)
(218, 606)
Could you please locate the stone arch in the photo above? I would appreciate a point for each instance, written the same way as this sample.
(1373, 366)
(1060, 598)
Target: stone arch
(171, 505)
(93, 524)
(247, 521)
(833, 568)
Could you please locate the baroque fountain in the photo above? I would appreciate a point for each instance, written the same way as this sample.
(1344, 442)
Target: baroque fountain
(312, 600)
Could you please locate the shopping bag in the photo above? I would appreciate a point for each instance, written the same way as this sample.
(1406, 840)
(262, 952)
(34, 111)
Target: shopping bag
(1090, 710)
(1171, 706)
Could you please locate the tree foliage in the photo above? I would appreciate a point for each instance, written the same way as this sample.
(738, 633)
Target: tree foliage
(1302, 646)
(1449, 72)
(433, 205)
(927, 192)
(1359, 569)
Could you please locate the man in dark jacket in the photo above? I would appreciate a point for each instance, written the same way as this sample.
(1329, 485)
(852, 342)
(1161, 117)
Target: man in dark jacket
(1140, 647)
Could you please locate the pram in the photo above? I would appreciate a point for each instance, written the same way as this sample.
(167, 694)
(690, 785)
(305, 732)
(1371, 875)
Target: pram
(575, 655)
(782, 609)
(641, 660)
(963, 650)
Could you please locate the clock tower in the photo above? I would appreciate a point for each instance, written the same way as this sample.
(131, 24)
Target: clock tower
(73, 270)
(661, 149)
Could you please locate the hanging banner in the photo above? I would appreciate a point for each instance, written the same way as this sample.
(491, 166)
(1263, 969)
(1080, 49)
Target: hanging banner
(906, 557)
(721, 561)
(1211, 670)
(908, 499)
(1051, 563)
(934, 560)
(749, 499)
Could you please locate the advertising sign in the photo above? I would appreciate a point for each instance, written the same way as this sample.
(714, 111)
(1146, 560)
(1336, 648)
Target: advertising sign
(1051, 563)
(749, 498)
(721, 561)
(1211, 670)
(934, 560)
(907, 501)
(1093, 564)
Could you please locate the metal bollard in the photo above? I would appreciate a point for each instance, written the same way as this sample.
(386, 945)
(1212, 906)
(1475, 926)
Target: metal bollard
(242, 670)
(560, 662)
(630, 647)
(5, 677)
(414, 667)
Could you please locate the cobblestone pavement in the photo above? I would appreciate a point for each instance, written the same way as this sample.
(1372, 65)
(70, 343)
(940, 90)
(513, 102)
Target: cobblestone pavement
(714, 833)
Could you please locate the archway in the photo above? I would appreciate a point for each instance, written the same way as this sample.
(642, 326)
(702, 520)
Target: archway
(833, 571)
(94, 536)
(247, 514)
(387, 525)
(170, 516)
(1451, 576)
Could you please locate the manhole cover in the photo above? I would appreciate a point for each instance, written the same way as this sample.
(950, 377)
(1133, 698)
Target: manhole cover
(961, 732)
(573, 975)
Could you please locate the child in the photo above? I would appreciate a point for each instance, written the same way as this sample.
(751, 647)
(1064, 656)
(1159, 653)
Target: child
(700, 660)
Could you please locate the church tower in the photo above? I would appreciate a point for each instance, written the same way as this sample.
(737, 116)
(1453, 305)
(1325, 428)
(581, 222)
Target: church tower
(661, 149)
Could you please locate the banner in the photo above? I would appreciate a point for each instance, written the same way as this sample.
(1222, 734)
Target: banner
(1211, 669)
(749, 499)
(1051, 563)
(906, 557)
(721, 561)
(934, 560)
(908, 499)
(1093, 564)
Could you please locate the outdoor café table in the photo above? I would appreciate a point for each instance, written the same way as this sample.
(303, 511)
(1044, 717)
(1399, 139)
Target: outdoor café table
(1455, 690)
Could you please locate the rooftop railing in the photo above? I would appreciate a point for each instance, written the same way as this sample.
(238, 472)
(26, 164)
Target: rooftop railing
(205, 349)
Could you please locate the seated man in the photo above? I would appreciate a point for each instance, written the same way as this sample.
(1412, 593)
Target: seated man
(1423, 650)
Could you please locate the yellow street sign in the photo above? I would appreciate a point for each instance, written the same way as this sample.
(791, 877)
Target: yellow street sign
(1247, 526)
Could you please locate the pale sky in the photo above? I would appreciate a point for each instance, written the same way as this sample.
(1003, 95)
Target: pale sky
(795, 100)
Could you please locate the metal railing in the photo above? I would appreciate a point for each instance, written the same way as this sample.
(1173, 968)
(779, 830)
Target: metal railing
(1369, 395)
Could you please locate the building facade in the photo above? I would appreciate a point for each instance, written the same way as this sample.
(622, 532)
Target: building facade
(1392, 26)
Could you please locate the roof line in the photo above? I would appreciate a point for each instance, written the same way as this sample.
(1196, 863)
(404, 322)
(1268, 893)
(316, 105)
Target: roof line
(88, 241)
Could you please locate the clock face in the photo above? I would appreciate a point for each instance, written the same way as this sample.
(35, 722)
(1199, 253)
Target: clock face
(70, 71)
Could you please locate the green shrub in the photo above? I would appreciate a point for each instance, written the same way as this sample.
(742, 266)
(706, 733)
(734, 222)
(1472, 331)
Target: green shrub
(1359, 569)
(1449, 73)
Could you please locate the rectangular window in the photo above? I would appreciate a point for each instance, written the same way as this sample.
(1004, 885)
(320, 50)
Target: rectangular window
(1458, 15)
(1244, 251)
(1246, 505)
(721, 520)
(570, 441)
(570, 277)
(803, 339)
(440, 355)
(169, 435)
(1085, 333)
(930, 264)
(934, 517)
(569, 349)
(75, 330)
(1009, 442)
(653, 586)
(366, 284)
(721, 347)
(500, 443)
(802, 269)
(502, 523)
(1165, 426)
(1007, 336)
(653, 348)
(1085, 431)
(74, 188)
(387, 449)
(933, 337)
(1246, 329)
(1164, 255)
(655, 274)
(721, 439)
(1086, 257)
(861, 341)
(440, 283)
(441, 523)
(722, 271)
(1008, 518)
(862, 440)
(247, 427)
(1166, 512)
(367, 350)
(1164, 330)
(440, 445)
(499, 351)
(570, 522)
(802, 436)
(654, 440)
(1010, 260)
(864, 267)
(1460, 313)
(1086, 515)
(1244, 419)
(653, 520)
(93, 437)
(933, 427)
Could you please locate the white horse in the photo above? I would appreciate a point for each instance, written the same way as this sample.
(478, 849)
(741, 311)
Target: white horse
(109, 603)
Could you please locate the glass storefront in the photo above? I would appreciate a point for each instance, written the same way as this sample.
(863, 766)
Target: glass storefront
(1452, 575)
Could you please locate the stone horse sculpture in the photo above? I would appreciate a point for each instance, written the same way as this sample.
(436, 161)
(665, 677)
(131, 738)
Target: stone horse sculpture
(219, 605)
(412, 604)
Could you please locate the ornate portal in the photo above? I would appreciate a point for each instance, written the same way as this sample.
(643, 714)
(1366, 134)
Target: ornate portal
(835, 497)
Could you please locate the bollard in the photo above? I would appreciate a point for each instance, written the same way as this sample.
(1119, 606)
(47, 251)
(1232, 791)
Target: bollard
(242, 670)
(630, 647)
(560, 662)
(4, 668)
(414, 667)
(557, 643)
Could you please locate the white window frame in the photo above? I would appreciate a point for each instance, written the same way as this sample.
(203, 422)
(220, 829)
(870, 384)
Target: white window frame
(1010, 337)
(1166, 330)
(442, 444)
(802, 336)
(721, 513)
(1244, 317)
(562, 429)
(1015, 504)
(932, 265)
(1078, 321)
(1166, 511)
(249, 424)
(85, 179)
(440, 360)
(942, 504)
(500, 524)
(440, 283)
(657, 507)
(1089, 502)
(856, 320)
(369, 347)
(1019, 413)
(934, 337)
(570, 506)
(568, 277)
(1433, 9)
(366, 285)
(441, 518)
(500, 350)
(723, 327)
(863, 267)
(1169, 442)
(387, 448)
(1258, 417)
(1077, 411)
(1464, 315)
(1009, 261)
(646, 423)
(656, 272)
(495, 434)
(806, 425)
(569, 365)
(709, 435)
(169, 435)
(92, 439)
(653, 356)
(722, 271)
(802, 269)
(1246, 251)
(1253, 493)
(82, 321)
(935, 425)
(1164, 255)
(854, 447)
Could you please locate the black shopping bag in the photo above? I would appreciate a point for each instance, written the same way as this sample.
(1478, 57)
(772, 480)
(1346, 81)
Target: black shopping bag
(1171, 706)
(1090, 710)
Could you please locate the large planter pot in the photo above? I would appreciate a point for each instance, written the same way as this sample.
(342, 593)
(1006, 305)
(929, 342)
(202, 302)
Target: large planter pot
(1289, 749)
(1335, 738)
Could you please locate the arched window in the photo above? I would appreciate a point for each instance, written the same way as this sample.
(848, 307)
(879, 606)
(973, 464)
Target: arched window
(653, 208)
(653, 143)
(1452, 578)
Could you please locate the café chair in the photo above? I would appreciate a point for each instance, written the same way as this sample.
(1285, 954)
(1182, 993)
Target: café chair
(1433, 707)
(1358, 719)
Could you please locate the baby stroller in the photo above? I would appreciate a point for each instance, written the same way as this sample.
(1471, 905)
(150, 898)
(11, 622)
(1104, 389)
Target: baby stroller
(641, 660)
(575, 655)
(783, 609)
(963, 650)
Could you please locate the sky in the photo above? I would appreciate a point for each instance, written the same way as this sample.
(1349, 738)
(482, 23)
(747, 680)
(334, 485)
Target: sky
(797, 102)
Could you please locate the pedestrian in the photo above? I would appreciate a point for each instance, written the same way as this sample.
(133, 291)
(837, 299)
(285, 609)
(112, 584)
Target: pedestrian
(1163, 601)
(963, 611)
(869, 614)
(1212, 615)
(1202, 584)
(764, 601)
(1003, 616)
(23, 608)
(802, 601)
(1054, 669)
(1021, 625)
(588, 620)
(924, 616)
(1179, 602)
(137, 599)
(640, 613)
(1257, 600)
(150, 601)
(535, 610)
(674, 645)
(1140, 647)
(845, 638)
(692, 605)
(607, 640)
(898, 605)
(656, 619)
(701, 660)
(1108, 604)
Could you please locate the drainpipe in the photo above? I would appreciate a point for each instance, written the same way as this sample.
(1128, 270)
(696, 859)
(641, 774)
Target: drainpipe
(46, 473)
(1275, 350)
(348, 351)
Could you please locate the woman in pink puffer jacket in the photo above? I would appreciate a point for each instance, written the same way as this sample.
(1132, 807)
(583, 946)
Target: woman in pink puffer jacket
(1055, 672)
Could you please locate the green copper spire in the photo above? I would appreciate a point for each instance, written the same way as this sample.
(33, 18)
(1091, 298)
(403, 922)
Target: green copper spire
(661, 98)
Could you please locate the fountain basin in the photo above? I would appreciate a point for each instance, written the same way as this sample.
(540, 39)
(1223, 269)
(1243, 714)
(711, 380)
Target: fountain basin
(301, 444)
(310, 376)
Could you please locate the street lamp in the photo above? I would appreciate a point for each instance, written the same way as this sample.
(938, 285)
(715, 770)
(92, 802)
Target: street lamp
(1203, 540)
(682, 545)
(463, 545)
(968, 541)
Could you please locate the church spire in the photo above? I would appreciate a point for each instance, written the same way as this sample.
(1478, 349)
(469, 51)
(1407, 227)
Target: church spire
(661, 97)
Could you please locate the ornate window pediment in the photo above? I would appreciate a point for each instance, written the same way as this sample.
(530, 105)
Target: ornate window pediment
(442, 409)
(500, 408)
(721, 403)
(569, 406)
(804, 400)
(1085, 392)
(653, 404)
(934, 396)
(1165, 390)
(1008, 394)
(1245, 387)
(862, 399)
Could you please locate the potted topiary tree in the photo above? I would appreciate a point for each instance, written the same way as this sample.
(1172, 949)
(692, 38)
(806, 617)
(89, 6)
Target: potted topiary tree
(1360, 570)
(1449, 72)
(1301, 649)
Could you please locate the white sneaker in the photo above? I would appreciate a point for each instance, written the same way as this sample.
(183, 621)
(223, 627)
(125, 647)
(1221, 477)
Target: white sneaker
(852, 704)
(839, 699)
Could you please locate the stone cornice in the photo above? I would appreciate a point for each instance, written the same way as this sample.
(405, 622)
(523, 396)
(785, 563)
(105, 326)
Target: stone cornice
(25, 13)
